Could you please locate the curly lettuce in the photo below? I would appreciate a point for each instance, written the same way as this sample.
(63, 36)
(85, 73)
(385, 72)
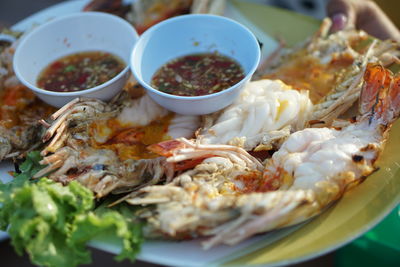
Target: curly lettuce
(53, 223)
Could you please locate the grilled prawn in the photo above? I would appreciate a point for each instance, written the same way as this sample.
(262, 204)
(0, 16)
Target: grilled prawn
(103, 146)
(261, 118)
(229, 197)
(19, 110)
(330, 66)
(145, 13)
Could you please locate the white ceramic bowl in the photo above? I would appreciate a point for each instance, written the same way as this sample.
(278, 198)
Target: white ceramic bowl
(79, 32)
(191, 34)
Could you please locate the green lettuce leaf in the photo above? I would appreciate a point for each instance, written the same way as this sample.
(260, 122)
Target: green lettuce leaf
(40, 218)
(53, 223)
(133, 234)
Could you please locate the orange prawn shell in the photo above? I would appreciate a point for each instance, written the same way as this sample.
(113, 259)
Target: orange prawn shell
(19, 107)
(130, 141)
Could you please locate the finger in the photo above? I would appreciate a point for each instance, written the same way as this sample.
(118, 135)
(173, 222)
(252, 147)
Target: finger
(339, 22)
(342, 14)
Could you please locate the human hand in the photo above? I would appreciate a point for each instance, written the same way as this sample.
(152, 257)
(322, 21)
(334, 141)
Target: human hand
(364, 15)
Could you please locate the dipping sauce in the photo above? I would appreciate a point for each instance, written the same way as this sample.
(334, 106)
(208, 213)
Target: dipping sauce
(197, 74)
(80, 71)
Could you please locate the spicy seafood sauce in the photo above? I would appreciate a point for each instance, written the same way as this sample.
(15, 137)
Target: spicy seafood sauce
(197, 74)
(80, 71)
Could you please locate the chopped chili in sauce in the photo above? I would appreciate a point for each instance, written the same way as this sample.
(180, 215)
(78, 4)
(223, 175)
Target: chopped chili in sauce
(80, 71)
(197, 74)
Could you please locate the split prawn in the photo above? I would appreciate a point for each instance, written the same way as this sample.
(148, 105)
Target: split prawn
(314, 167)
(19, 110)
(261, 118)
(145, 13)
(331, 67)
(103, 145)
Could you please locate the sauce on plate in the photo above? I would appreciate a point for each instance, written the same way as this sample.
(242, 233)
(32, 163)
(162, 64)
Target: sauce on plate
(80, 71)
(197, 74)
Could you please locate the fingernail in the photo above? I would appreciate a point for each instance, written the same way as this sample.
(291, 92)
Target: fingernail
(339, 21)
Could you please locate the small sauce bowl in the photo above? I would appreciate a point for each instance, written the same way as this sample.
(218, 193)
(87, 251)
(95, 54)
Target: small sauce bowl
(79, 32)
(194, 34)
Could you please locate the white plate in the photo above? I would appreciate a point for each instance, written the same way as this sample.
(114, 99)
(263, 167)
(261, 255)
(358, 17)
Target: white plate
(185, 253)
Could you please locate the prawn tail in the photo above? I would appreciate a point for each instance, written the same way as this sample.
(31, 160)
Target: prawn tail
(380, 95)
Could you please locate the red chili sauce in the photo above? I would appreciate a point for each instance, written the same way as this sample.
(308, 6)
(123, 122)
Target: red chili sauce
(80, 71)
(197, 74)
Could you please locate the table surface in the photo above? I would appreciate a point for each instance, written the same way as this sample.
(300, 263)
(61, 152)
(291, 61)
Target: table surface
(10, 13)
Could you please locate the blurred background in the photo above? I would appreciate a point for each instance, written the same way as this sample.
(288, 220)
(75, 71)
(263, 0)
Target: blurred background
(12, 11)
